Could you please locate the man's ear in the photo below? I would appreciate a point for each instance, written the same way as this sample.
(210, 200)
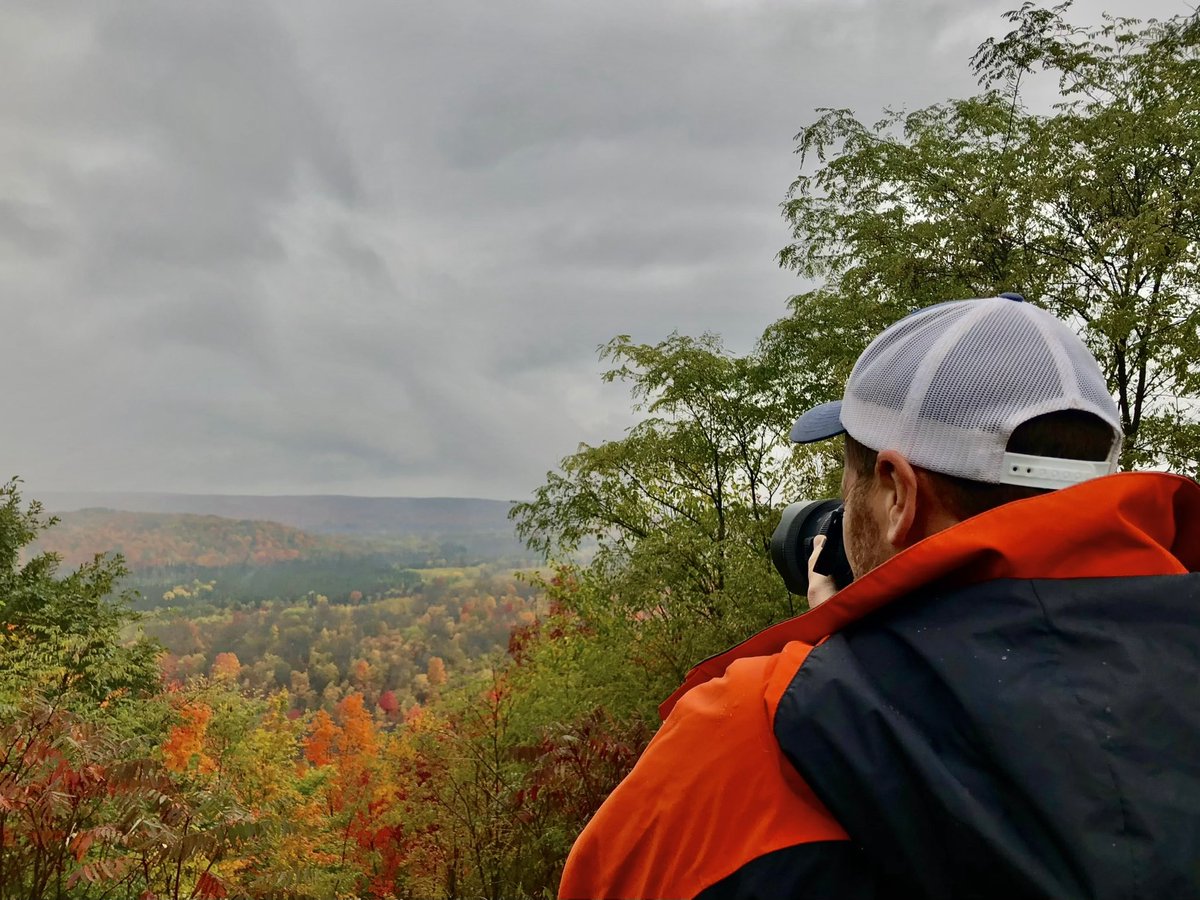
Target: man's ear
(896, 486)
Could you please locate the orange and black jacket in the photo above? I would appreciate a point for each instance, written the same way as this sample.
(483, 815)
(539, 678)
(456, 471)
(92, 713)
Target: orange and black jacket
(1010, 708)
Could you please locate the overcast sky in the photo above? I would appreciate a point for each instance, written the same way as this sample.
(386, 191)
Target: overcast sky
(372, 247)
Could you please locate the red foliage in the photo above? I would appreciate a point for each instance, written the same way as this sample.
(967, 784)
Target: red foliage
(522, 639)
(209, 886)
(574, 768)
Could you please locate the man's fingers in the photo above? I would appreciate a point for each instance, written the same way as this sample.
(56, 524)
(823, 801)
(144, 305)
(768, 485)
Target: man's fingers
(818, 544)
(820, 587)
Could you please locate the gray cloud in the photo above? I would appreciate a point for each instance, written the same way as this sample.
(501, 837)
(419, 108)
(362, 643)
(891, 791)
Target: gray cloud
(372, 247)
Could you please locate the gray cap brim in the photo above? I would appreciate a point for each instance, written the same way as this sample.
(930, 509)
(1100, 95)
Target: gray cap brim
(819, 423)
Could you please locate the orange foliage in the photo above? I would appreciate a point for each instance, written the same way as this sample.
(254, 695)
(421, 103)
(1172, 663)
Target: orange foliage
(436, 671)
(184, 745)
(362, 671)
(318, 746)
(226, 667)
(358, 728)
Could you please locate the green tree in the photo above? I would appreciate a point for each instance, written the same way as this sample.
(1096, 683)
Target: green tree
(1091, 209)
(678, 514)
(62, 636)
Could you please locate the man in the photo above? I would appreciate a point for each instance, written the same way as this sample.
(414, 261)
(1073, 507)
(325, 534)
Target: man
(1004, 703)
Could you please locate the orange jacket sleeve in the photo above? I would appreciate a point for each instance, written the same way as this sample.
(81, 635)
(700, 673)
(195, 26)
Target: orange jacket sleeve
(711, 793)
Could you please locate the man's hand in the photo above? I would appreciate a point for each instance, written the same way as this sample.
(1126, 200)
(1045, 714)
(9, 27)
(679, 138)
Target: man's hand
(820, 587)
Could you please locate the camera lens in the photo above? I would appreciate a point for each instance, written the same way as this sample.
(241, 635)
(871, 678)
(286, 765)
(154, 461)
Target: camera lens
(792, 542)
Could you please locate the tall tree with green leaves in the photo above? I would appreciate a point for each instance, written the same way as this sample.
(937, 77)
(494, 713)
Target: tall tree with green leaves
(1090, 208)
(677, 514)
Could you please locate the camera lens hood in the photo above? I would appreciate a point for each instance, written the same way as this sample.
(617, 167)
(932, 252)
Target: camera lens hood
(791, 543)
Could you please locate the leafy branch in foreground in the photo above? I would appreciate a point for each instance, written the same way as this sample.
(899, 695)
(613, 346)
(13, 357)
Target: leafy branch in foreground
(64, 634)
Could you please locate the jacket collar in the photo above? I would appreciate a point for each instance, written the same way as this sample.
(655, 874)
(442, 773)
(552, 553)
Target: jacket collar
(1131, 523)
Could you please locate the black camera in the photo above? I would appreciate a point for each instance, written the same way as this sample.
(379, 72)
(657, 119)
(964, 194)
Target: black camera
(792, 544)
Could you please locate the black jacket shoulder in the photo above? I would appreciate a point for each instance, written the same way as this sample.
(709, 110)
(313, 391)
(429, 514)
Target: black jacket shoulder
(1013, 738)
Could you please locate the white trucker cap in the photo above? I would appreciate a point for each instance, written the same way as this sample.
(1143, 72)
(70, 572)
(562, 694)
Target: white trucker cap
(946, 386)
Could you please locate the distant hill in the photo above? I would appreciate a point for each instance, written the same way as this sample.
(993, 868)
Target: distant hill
(158, 540)
(329, 514)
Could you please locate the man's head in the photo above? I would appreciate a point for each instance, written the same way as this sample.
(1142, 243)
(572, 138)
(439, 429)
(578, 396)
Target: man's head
(959, 408)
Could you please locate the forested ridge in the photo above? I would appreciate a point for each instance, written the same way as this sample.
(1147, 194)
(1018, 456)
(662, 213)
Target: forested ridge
(318, 514)
(445, 728)
(248, 562)
(149, 540)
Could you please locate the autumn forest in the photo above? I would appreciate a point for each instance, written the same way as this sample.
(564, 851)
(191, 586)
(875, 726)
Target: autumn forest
(369, 741)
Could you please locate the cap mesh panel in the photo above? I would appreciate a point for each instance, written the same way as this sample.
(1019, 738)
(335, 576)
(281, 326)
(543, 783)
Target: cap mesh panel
(922, 319)
(946, 386)
(999, 366)
(1091, 381)
(887, 379)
